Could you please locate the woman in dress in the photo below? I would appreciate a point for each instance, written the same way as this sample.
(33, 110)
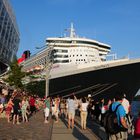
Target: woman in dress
(9, 108)
(24, 106)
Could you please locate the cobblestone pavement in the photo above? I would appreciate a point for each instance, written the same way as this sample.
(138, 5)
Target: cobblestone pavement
(35, 129)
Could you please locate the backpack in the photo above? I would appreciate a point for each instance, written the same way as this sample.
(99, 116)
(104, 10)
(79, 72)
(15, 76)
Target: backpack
(110, 121)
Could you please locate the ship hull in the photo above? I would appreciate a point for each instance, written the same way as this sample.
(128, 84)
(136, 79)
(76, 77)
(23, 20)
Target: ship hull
(103, 83)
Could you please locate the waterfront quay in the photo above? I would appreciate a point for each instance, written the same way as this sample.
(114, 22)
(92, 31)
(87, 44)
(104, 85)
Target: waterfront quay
(36, 129)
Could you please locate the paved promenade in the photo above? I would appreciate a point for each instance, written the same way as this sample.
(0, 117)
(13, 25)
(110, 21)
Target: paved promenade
(60, 132)
(35, 129)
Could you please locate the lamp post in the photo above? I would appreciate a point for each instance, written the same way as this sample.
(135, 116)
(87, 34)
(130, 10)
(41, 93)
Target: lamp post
(48, 65)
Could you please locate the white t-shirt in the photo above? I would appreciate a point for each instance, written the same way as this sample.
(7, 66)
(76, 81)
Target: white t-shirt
(84, 106)
(126, 105)
(71, 105)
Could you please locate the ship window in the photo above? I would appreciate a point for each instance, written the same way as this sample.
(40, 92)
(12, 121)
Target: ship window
(61, 50)
(58, 41)
(60, 56)
(61, 61)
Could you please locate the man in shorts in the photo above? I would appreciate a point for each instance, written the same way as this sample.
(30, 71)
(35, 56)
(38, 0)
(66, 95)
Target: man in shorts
(71, 111)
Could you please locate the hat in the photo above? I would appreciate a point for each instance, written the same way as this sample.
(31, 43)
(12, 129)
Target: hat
(89, 95)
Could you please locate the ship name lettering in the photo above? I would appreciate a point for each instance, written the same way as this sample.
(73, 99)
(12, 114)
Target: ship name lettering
(101, 66)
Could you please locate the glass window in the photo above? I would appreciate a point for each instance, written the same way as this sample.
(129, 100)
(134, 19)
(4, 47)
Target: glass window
(0, 4)
(3, 12)
(61, 61)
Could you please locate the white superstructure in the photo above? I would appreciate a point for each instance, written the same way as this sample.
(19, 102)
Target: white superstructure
(76, 50)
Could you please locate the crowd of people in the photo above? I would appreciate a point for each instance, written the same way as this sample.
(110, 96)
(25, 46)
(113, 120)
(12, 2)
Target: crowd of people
(19, 107)
(86, 107)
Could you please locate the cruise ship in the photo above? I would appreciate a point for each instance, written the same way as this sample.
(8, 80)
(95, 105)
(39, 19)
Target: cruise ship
(83, 66)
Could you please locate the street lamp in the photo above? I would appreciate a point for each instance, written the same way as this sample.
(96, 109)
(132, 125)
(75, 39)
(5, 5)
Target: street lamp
(41, 47)
(49, 63)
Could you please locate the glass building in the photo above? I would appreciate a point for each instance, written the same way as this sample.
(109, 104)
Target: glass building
(9, 35)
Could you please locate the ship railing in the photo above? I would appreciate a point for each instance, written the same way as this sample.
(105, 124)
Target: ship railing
(114, 57)
(99, 88)
(111, 56)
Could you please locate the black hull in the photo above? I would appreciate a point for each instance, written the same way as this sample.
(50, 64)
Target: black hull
(103, 83)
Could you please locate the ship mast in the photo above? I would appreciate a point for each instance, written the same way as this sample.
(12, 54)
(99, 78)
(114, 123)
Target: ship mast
(72, 31)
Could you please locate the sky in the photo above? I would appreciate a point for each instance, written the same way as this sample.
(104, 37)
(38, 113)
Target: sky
(114, 22)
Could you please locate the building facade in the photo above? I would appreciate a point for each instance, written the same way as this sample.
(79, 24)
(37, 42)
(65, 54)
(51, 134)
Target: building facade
(9, 35)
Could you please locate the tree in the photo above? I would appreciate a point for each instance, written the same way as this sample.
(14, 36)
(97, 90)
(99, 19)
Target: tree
(15, 75)
(36, 88)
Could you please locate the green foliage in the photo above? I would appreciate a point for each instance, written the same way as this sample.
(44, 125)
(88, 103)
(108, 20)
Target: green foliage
(36, 88)
(15, 75)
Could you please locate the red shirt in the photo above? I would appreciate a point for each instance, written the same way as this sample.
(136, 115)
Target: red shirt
(137, 128)
(32, 102)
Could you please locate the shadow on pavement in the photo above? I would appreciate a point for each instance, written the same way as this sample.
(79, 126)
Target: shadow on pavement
(77, 134)
(76, 130)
